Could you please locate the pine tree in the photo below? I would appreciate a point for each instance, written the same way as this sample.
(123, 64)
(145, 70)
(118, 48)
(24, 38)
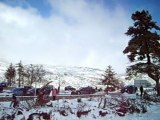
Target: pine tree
(110, 78)
(20, 73)
(10, 74)
(143, 49)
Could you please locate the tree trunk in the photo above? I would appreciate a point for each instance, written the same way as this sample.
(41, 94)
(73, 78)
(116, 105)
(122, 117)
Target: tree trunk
(100, 102)
(156, 78)
(148, 59)
(19, 82)
(105, 101)
(14, 81)
(58, 88)
(157, 88)
(8, 81)
(11, 81)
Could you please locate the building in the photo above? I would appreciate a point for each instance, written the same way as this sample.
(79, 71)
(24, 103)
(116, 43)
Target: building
(144, 83)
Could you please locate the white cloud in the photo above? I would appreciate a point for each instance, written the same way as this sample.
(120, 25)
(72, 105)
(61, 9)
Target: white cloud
(77, 34)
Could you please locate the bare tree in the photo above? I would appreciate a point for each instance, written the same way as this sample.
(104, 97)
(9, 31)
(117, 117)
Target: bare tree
(34, 73)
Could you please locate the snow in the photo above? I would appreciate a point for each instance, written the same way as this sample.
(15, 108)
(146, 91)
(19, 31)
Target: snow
(131, 96)
(86, 104)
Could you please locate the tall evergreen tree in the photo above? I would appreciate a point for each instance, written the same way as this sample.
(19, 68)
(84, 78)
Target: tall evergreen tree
(20, 71)
(10, 74)
(143, 49)
(110, 77)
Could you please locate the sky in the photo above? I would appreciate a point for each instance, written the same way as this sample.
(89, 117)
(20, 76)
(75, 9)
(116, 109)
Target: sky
(84, 33)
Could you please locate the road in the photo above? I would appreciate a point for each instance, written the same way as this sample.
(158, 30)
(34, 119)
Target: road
(62, 96)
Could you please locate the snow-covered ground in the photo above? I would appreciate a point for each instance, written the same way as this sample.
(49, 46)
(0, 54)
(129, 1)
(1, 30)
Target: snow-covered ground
(68, 110)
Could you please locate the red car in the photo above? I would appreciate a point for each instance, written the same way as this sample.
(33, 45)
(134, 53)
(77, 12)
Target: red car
(84, 90)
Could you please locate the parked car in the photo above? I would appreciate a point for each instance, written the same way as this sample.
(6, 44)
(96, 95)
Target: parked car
(47, 89)
(36, 91)
(20, 91)
(84, 90)
(28, 87)
(69, 88)
(3, 84)
(1, 89)
(33, 91)
(130, 89)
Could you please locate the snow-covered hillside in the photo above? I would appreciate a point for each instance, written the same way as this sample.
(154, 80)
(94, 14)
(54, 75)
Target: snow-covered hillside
(3, 67)
(74, 76)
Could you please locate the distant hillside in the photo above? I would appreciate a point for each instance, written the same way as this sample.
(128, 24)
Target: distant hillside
(74, 76)
(3, 67)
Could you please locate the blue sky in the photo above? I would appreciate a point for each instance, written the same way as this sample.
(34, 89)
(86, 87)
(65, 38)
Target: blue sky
(87, 33)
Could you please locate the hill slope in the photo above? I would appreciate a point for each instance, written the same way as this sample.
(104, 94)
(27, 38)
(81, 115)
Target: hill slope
(75, 76)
